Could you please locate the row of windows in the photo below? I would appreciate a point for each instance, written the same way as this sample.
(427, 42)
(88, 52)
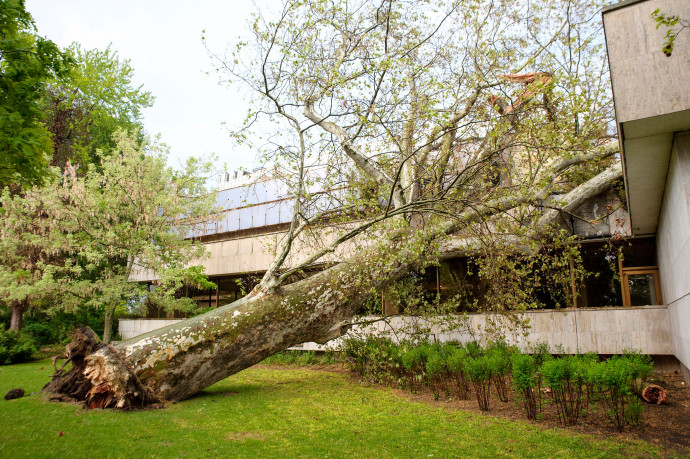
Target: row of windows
(623, 274)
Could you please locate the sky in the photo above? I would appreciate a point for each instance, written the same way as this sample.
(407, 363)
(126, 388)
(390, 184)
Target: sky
(162, 39)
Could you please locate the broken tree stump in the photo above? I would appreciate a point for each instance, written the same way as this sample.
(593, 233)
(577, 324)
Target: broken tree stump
(654, 394)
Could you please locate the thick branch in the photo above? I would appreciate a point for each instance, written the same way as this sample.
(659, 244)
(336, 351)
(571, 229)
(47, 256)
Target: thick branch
(581, 194)
(353, 152)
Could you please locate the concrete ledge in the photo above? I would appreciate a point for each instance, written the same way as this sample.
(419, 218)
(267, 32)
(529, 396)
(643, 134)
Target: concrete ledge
(600, 330)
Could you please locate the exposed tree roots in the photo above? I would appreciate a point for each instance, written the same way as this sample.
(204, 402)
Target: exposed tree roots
(100, 380)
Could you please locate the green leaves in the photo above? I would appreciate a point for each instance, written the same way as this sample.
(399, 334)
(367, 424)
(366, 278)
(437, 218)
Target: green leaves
(27, 63)
(85, 107)
(80, 238)
(669, 21)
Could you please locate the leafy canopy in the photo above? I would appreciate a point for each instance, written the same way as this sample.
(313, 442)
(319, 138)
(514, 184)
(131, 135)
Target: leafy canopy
(85, 107)
(81, 236)
(27, 63)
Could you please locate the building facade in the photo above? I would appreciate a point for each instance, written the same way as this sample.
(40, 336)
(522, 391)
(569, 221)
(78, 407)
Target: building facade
(652, 101)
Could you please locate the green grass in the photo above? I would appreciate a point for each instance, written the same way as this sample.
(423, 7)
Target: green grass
(276, 413)
(304, 358)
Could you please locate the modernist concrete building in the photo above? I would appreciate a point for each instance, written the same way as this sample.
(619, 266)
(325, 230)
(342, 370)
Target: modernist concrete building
(652, 100)
(643, 304)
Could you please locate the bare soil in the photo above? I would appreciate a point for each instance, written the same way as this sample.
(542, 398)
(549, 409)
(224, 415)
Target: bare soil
(664, 425)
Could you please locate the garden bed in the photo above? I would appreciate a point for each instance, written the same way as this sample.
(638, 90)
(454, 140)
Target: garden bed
(664, 425)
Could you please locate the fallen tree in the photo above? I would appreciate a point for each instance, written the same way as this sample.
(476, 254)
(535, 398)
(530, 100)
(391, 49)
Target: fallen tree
(175, 362)
(442, 141)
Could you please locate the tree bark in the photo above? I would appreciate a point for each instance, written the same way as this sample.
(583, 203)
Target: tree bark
(108, 324)
(17, 318)
(175, 362)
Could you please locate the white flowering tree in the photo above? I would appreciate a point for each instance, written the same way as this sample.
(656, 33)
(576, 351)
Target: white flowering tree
(75, 241)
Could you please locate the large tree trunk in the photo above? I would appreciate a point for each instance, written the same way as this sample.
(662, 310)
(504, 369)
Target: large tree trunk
(177, 361)
(18, 310)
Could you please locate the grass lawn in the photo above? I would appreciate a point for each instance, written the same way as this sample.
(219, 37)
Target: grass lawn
(287, 412)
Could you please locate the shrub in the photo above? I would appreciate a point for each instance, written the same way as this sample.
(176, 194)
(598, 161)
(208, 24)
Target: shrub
(527, 383)
(436, 370)
(456, 368)
(376, 359)
(58, 327)
(588, 367)
(541, 351)
(565, 378)
(15, 346)
(294, 357)
(474, 349)
(414, 362)
(641, 368)
(41, 333)
(617, 382)
(479, 372)
(499, 358)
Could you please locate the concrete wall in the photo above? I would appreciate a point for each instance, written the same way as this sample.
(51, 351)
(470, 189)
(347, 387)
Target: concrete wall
(253, 254)
(604, 330)
(129, 328)
(651, 96)
(241, 255)
(673, 246)
(643, 77)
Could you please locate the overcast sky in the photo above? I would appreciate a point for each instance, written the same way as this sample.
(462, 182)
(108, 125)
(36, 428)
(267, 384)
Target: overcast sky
(162, 38)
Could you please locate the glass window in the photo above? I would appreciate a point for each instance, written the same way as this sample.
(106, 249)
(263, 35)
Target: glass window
(641, 286)
(642, 291)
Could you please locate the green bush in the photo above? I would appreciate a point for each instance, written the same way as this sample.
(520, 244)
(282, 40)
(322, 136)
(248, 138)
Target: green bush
(57, 328)
(576, 382)
(436, 370)
(376, 359)
(616, 380)
(541, 351)
(588, 366)
(565, 377)
(527, 383)
(479, 371)
(499, 358)
(474, 349)
(15, 346)
(641, 368)
(414, 362)
(41, 333)
(456, 368)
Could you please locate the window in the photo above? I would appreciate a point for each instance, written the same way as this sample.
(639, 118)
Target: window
(641, 286)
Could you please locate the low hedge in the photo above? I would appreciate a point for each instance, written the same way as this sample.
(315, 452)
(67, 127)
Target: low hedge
(576, 384)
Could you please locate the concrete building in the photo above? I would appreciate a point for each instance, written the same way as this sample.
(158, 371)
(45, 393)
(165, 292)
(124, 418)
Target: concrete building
(643, 303)
(652, 101)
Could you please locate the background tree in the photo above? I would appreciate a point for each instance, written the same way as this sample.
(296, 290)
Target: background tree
(88, 105)
(30, 251)
(460, 120)
(129, 212)
(27, 63)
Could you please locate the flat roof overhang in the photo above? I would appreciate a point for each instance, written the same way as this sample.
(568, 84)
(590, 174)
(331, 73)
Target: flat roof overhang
(647, 145)
(651, 97)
